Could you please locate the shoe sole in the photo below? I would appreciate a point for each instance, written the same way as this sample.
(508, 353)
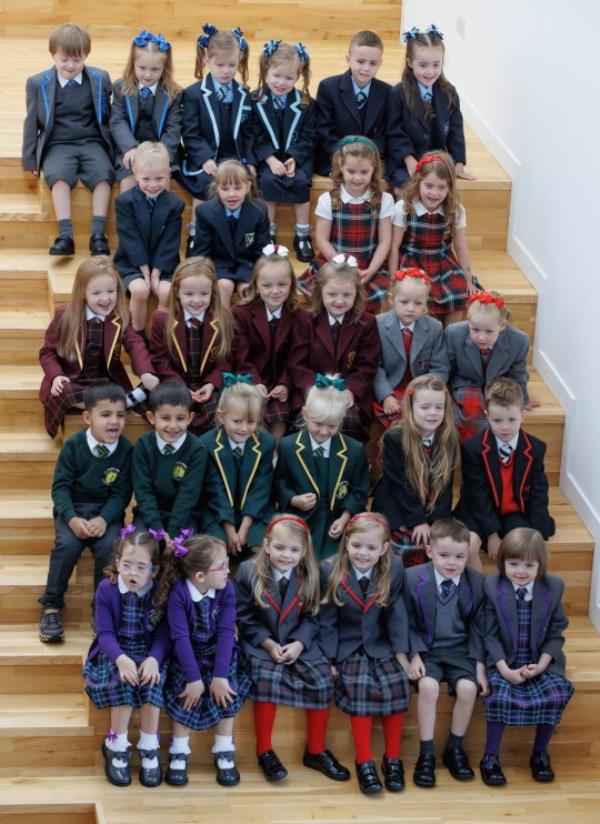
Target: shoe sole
(46, 639)
(150, 786)
(422, 785)
(489, 783)
(327, 774)
(371, 790)
(274, 779)
(172, 783)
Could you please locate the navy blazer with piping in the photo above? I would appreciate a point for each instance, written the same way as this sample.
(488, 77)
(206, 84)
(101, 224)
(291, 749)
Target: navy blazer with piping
(166, 119)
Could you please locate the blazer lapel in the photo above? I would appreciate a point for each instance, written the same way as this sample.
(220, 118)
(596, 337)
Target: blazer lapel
(224, 461)
(523, 464)
(259, 319)
(373, 107)
(291, 601)
(347, 97)
(159, 215)
(465, 597)
(352, 590)
(491, 462)
(393, 335)
(507, 604)
(111, 337)
(210, 333)
(306, 459)
(293, 113)
(179, 339)
(48, 92)
(346, 355)
(540, 612)
(161, 107)
(338, 459)
(207, 91)
(418, 339)
(239, 98)
(96, 88)
(425, 592)
(262, 107)
(497, 358)
(132, 104)
(323, 332)
(474, 356)
(143, 214)
(249, 466)
(222, 227)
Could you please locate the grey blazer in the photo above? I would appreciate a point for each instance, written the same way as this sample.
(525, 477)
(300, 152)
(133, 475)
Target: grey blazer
(427, 352)
(508, 358)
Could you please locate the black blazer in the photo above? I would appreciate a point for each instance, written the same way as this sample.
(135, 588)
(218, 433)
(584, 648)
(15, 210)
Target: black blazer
(299, 131)
(338, 116)
(166, 118)
(548, 621)
(360, 622)
(144, 238)
(395, 497)
(481, 493)
(283, 621)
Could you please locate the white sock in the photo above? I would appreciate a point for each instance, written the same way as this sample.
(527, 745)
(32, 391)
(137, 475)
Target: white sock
(179, 745)
(302, 229)
(119, 744)
(148, 741)
(224, 744)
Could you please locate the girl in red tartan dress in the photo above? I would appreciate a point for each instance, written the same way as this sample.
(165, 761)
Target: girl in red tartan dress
(429, 232)
(355, 218)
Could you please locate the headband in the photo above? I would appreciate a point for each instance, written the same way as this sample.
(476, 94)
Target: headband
(342, 257)
(293, 518)
(271, 47)
(355, 138)
(486, 297)
(144, 37)
(413, 272)
(430, 158)
(230, 379)
(179, 550)
(209, 31)
(275, 249)
(323, 382)
(301, 51)
(239, 35)
(415, 32)
(371, 516)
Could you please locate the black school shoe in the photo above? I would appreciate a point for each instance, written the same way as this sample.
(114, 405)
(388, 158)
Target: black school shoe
(368, 780)
(51, 628)
(177, 778)
(456, 761)
(424, 774)
(119, 776)
(226, 776)
(327, 763)
(62, 247)
(393, 774)
(491, 771)
(304, 249)
(541, 768)
(271, 766)
(150, 776)
(99, 244)
(189, 246)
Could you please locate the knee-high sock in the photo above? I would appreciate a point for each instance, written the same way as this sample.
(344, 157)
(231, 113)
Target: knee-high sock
(361, 731)
(543, 734)
(264, 720)
(316, 727)
(494, 733)
(392, 732)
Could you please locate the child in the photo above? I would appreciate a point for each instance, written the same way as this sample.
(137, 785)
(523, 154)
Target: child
(412, 344)
(66, 134)
(278, 605)
(525, 622)
(205, 688)
(90, 491)
(481, 349)
(265, 320)
(126, 666)
(355, 218)
(338, 336)
(354, 102)
(284, 131)
(191, 342)
(82, 345)
(237, 491)
(427, 224)
(364, 633)
(444, 601)
(420, 457)
(424, 110)
(232, 228)
(168, 464)
(504, 484)
(216, 113)
(149, 229)
(322, 475)
(146, 103)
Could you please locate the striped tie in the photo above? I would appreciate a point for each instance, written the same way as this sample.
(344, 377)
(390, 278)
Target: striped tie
(168, 449)
(101, 451)
(72, 83)
(237, 453)
(505, 451)
(521, 593)
(319, 452)
(278, 103)
(446, 590)
(145, 92)
(361, 99)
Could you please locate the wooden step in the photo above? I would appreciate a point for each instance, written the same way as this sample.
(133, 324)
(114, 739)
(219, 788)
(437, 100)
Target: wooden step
(21, 334)
(49, 813)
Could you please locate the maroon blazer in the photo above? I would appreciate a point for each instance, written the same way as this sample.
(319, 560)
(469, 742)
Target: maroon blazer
(252, 342)
(356, 358)
(174, 365)
(112, 337)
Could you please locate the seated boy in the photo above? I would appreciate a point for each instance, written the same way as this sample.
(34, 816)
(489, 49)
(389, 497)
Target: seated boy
(354, 102)
(444, 601)
(67, 137)
(168, 464)
(90, 491)
(504, 484)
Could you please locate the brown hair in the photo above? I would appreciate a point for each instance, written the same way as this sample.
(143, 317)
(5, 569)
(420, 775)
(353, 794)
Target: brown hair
(523, 543)
(71, 328)
(249, 292)
(201, 552)
(488, 305)
(366, 38)
(285, 53)
(232, 171)
(225, 42)
(442, 164)
(142, 539)
(344, 271)
(410, 85)
(71, 39)
(130, 84)
(449, 528)
(504, 392)
(364, 151)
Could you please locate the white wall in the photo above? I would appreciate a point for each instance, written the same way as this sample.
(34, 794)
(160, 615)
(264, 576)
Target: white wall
(527, 75)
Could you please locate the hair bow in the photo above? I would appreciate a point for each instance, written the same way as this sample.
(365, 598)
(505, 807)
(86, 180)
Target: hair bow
(433, 30)
(410, 35)
(323, 381)
(355, 138)
(230, 379)
(163, 45)
(412, 272)
(276, 249)
(271, 47)
(142, 38)
(179, 550)
(342, 257)
(204, 39)
(301, 51)
(486, 297)
(430, 158)
(158, 534)
(126, 531)
(239, 35)
(112, 736)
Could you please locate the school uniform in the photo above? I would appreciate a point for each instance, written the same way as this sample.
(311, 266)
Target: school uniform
(446, 622)
(354, 355)
(339, 115)
(212, 130)
(66, 129)
(149, 232)
(192, 359)
(98, 361)
(499, 495)
(437, 125)
(340, 481)
(135, 118)
(307, 683)
(234, 245)
(202, 629)
(519, 628)
(361, 639)
(284, 133)
(471, 372)
(237, 487)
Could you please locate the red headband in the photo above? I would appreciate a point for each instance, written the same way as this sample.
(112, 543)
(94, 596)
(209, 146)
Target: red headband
(293, 518)
(486, 297)
(372, 516)
(430, 159)
(413, 272)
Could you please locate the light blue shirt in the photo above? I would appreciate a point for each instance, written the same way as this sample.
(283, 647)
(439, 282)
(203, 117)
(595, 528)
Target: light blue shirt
(364, 89)
(235, 213)
(425, 91)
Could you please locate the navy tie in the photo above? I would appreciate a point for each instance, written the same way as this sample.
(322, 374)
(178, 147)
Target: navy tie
(72, 83)
(446, 590)
(145, 92)
(151, 204)
(278, 103)
(283, 585)
(364, 585)
(361, 99)
(521, 593)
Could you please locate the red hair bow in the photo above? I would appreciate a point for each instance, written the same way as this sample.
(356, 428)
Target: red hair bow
(486, 297)
(412, 273)
(429, 159)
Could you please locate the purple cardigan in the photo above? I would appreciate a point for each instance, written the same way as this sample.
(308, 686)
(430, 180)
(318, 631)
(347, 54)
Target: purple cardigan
(180, 611)
(108, 619)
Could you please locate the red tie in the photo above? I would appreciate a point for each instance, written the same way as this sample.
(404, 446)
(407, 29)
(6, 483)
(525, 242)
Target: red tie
(407, 339)
(196, 323)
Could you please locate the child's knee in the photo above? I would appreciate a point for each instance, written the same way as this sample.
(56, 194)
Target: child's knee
(139, 289)
(429, 689)
(465, 689)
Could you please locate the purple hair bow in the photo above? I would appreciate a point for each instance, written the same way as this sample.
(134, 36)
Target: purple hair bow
(158, 534)
(126, 531)
(179, 550)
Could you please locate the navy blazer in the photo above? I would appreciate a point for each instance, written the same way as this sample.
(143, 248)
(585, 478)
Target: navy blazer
(299, 130)
(144, 238)
(361, 622)
(166, 118)
(282, 620)
(233, 257)
(412, 133)
(338, 116)
(420, 597)
(40, 92)
(548, 621)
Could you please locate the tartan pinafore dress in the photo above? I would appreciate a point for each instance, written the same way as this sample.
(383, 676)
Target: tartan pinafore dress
(402, 543)
(204, 413)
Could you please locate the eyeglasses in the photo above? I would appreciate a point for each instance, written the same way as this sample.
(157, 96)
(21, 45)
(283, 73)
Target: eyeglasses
(222, 568)
(125, 566)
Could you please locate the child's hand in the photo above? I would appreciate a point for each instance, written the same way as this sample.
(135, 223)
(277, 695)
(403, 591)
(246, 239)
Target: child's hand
(204, 393)
(349, 397)
(128, 158)
(462, 172)
(410, 161)
(291, 651)
(127, 670)
(276, 166)
(290, 167)
(222, 692)
(482, 679)
(365, 275)
(193, 692)
(155, 281)
(416, 668)
(97, 526)
(274, 649)
(471, 288)
(279, 393)
(234, 546)
(420, 534)
(251, 168)
(263, 390)
(338, 526)
(532, 671)
(210, 167)
(149, 381)
(391, 405)
(80, 527)
(58, 384)
(402, 659)
(149, 672)
(531, 405)
(306, 501)
(493, 545)
(515, 676)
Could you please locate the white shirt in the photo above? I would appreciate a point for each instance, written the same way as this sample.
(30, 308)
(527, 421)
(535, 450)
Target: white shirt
(439, 578)
(410, 326)
(333, 320)
(187, 316)
(529, 588)
(512, 442)
(325, 211)
(196, 595)
(123, 588)
(152, 88)
(93, 443)
(420, 210)
(325, 446)
(359, 574)
(64, 80)
(275, 314)
(89, 315)
(176, 444)
(277, 575)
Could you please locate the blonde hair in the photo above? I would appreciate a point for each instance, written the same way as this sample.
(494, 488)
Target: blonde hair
(71, 329)
(442, 164)
(344, 271)
(523, 543)
(130, 83)
(326, 403)
(249, 292)
(151, 154)
(483, 301)
(232, 171)
(284, 53)
(365, 149)
(245, 397)
(225, 42)
(73, 40)
(416, 275)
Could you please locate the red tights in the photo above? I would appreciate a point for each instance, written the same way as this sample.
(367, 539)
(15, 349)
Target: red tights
(361, 731)
(264, 721)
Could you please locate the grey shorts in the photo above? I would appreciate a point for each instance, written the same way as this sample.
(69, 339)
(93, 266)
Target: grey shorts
(449, 667)
(71, 162)
(136, 274)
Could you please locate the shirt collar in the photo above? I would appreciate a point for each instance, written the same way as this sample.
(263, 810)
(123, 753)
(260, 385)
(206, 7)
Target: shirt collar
(236, 445)
(425, 91)
(280, 97)
(93, 443)
(89, 315)
(176, 444)
(187, 316)
(325, 446)
(410, 326)
(346, 197)
(359, 574)
(64, 80)
(364, 89)
(512, 442)
(235, 213)
(529, 589)
(196, 595)
(152, 88)
(439, 578)
(333, 320)
(275, 314)
(123, 588)
(277, 575)
(420, 210)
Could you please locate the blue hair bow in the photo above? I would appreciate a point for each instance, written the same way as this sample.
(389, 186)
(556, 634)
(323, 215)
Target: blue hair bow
(204, 39)
(409, 35)
(433, 29)
(301, 51)
(230, 379)
(163, 45)
(239, 35)
(142, 38)
(271, 47)
(322, 382)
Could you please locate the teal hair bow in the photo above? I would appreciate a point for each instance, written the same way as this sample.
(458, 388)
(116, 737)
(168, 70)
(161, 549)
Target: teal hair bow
(322, 382)
(230, 379)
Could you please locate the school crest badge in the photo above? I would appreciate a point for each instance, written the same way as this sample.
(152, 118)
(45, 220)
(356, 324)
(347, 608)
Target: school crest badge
(179, 471)
(110, 475)
(342, 491)
(249, 239)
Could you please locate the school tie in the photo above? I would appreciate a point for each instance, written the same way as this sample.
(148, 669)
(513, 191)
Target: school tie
(225, 93)
(101, 451)
(195, 322)
(232, 221)
(283, 586)
(72, 82)
(168, 449)
(521, 593)
(485, 355)
(427, 96)
(335, 331)
(238, 453)
(361, 99)
(319, 452)
(446, 590)
(407, 340)
(505, 451)
(427, 442)
(151, 204)
(364, 585)
(145, 92)
(278, 103)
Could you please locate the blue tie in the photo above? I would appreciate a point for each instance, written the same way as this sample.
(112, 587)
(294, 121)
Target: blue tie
(225, 93)
(145, 92)
(521, 593)
(446, 590)
(72, 83)
(278, 103)
(361, 99)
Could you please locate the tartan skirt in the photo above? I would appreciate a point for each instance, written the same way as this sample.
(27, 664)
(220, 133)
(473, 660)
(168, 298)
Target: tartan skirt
(402, 545)
(387, 420)
(376, 289)
(539, 701)
(105, 688)
(304, 684)
(204, 413)
(56, 407)
(371, 686)
(469, 411)
(276, 411)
